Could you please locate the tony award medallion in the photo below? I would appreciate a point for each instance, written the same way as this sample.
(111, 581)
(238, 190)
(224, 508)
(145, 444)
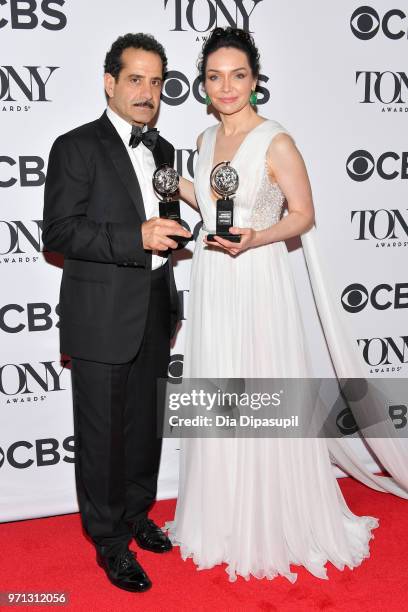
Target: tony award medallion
(166, 184)
(224, 181)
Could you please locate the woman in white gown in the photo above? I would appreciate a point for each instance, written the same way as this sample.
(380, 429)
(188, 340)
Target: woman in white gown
(256, 504)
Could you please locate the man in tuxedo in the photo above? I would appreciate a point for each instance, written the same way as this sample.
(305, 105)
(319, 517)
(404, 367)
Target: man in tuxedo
(118, 302)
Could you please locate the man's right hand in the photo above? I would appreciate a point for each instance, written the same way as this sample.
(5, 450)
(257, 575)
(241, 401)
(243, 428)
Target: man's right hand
(156, 232)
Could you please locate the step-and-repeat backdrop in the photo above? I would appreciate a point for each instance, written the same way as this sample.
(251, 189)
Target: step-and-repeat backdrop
(333, 73)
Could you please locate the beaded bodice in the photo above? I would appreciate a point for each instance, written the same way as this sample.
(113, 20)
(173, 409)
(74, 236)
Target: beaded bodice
(267, 208)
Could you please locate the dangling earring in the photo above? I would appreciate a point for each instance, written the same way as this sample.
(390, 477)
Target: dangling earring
(207, 100)
(253, 98)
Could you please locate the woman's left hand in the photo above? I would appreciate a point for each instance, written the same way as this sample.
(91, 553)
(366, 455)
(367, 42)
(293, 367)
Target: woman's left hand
(247, 241)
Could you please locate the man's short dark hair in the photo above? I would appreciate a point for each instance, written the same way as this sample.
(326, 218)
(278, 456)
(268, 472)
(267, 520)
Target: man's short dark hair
(113, 59)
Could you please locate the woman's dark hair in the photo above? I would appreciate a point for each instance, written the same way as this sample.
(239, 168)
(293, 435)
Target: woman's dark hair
(113, 59)
(229, 37)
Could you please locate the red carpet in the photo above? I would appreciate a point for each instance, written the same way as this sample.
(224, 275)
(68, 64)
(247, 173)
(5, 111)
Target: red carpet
(51, 554)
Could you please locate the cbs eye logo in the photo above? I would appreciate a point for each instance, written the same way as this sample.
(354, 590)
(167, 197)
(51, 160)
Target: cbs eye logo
(383, 296)
(360, 165)
(176, 89)
(346, 422)
(365, 23)
(354, 298)
(175, 369)
(389, 165)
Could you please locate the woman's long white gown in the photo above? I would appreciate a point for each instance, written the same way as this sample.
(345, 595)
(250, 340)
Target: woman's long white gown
(257, 504)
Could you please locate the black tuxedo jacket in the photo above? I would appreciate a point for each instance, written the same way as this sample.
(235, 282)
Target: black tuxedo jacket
(93, 211)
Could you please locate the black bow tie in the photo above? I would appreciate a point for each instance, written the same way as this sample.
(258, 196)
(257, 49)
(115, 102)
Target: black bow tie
(149, 138)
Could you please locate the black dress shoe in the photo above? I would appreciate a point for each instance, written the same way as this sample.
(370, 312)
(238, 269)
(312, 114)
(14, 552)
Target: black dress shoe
(150, 537)
(124, 571)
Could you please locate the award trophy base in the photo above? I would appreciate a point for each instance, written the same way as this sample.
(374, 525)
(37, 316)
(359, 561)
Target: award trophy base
(225, 210)
(171, 210)
(224, 236)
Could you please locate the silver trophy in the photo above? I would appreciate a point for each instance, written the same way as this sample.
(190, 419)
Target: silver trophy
(224, 181)
(165, 184)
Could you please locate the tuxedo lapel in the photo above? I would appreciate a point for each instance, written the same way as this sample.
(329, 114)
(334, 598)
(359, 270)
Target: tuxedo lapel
(121, 160)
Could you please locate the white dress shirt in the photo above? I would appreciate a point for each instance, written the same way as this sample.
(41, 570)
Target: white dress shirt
(144, 166)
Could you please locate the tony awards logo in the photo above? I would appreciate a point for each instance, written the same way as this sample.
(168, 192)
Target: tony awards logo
(24, 84)
(201, 17)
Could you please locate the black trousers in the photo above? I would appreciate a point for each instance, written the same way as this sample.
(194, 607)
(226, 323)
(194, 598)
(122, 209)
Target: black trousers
(116, 424)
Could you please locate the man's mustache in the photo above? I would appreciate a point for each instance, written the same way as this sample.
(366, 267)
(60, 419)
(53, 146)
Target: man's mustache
(144, 104)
